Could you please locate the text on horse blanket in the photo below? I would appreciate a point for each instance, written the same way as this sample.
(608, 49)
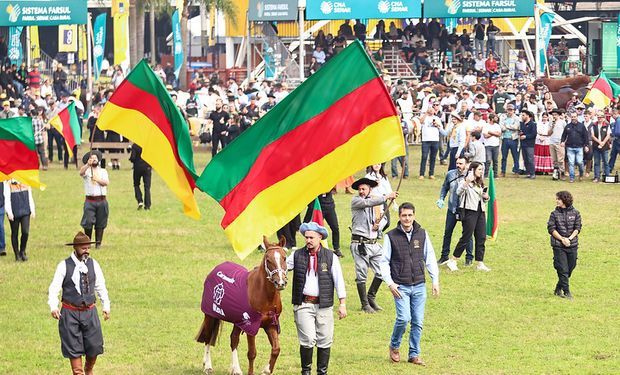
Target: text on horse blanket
(225, 297)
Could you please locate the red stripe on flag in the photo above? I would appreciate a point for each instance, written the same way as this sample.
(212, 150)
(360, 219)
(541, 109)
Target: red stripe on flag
(16, 156)
(603, 86)
(326, 132)
(67, 133)
(131, 97)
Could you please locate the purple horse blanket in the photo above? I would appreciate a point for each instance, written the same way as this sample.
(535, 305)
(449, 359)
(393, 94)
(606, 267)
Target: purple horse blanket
(225, 297)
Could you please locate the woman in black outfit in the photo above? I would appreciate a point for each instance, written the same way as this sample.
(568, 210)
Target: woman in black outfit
(564, 226)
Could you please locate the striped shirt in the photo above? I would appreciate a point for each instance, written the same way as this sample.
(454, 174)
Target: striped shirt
(38, 127)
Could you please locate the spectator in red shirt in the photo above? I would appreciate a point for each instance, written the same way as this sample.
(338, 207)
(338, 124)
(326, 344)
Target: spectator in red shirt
(34, 78)
(491, 66)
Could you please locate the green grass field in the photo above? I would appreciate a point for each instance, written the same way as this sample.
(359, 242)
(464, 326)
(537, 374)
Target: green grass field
(503, 322)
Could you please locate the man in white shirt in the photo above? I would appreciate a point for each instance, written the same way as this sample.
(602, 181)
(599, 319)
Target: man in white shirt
(555, 139)
(319, 55)
(96, 208)
(492, 132)
(405, 103)
(79, 277)
(316, 273)
(432, 128)
(480, 64)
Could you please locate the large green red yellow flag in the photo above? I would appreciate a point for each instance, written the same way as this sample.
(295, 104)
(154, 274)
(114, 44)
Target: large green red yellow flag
(492, 219)
(602, 92)
(142, 110)
(68, 124)
(339, 121)
(18, 156)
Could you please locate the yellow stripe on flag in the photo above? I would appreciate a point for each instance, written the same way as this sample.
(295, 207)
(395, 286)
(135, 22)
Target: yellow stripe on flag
(597, 98)
(156, 150)
(34, 43)
(28, 177)
(375, 144)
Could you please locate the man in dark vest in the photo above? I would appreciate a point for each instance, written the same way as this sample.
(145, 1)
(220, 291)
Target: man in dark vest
(407, 249)
(316, 273)
(79, 277)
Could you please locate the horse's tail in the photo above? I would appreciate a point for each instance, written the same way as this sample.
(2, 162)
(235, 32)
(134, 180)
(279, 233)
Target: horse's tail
(209, 330)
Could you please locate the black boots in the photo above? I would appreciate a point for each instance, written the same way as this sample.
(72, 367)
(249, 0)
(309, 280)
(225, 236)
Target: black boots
(361, 290)
(98, 237)
(322, 360)
(306, 360)
(372, 292)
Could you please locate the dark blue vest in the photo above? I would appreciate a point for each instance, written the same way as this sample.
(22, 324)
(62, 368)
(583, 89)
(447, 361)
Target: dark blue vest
(70, 293)
(407, 260)
(324, 269)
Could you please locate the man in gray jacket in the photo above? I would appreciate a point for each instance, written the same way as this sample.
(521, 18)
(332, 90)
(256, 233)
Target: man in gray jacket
(366, 224)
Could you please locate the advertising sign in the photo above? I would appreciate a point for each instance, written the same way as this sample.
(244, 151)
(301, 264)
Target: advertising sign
(99, 31)
(273, 10)
(42, 13)
(15, 45)
(177, 44)
(67, 38)
(478, 8)
(362, 9)
(546, 21)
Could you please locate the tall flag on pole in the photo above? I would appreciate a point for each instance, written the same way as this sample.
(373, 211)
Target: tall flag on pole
(68, 124)
(492, 219)
(317, 216)
(18, 156)
(120, 21)
(142, 110)
(602, 92)
(337, 122)
(99, 30)
(35, 48)
(177, 43)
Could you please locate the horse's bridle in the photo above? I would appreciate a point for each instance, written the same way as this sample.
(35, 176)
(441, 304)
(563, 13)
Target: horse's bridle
(270, 273)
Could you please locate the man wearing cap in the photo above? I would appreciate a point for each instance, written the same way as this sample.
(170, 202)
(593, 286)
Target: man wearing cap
(366, 225)
(6, 110)
(407, 250)
(79, 277)
(316, 273)
(96, 208)
(527, 135)
(271, 102)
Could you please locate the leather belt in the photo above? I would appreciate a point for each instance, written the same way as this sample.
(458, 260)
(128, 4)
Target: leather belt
(70, 306)
(311, 299)
(95, 198)
(363, 240)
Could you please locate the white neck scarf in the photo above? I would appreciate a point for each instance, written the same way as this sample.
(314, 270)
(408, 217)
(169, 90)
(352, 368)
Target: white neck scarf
(80, 267)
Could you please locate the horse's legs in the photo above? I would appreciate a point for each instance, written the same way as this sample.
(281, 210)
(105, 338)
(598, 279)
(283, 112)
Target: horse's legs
(235, 368)
(251, 354)
(208, 367)
(274, 340)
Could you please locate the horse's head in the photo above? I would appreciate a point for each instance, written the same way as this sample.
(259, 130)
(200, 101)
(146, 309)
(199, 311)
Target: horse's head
(274, 262)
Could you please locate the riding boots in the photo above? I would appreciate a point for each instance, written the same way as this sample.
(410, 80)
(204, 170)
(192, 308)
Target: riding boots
(305, 354)
(322, 360)
(76, 366)
(361, 290)
(372, 292)
(98, 237)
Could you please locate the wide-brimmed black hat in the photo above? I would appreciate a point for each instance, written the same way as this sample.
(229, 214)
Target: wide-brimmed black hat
(364, 181)
(87, 155)
(80, 239)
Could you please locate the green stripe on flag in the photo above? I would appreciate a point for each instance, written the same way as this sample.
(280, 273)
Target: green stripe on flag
(18, 129)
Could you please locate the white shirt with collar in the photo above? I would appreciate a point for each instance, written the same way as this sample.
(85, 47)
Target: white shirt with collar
(311, 288)
(59, 276)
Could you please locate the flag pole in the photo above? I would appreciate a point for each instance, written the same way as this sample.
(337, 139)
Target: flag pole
(400, 181)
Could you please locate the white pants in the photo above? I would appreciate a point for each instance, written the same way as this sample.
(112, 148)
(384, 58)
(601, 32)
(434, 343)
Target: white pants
(315, 326)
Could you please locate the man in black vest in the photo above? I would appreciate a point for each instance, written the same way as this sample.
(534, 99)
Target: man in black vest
(79, 277)
(407, 249)
(316, 273)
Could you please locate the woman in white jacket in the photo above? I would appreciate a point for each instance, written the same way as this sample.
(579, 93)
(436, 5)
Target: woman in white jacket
(19, 207)
(473, 199)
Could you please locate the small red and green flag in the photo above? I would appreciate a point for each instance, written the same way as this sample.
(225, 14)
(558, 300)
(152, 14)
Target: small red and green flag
(337, 122)
(603, 91)
(68, 125)
(317, 217)
(492, 219)
(142, 110)
(18, 156)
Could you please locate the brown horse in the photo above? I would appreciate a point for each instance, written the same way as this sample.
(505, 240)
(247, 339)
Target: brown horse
(262, 287)
(554, 85)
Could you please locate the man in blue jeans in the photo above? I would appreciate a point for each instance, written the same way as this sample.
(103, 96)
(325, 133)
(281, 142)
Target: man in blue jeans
(432, 128)
(615, 134)
(527, 135)
(575, 139)
(510, 124)
(453, 178)
(409, 245)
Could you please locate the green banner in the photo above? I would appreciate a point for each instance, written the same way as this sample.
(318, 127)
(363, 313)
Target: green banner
(610, 51)
(42, 13)
(478, 8)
